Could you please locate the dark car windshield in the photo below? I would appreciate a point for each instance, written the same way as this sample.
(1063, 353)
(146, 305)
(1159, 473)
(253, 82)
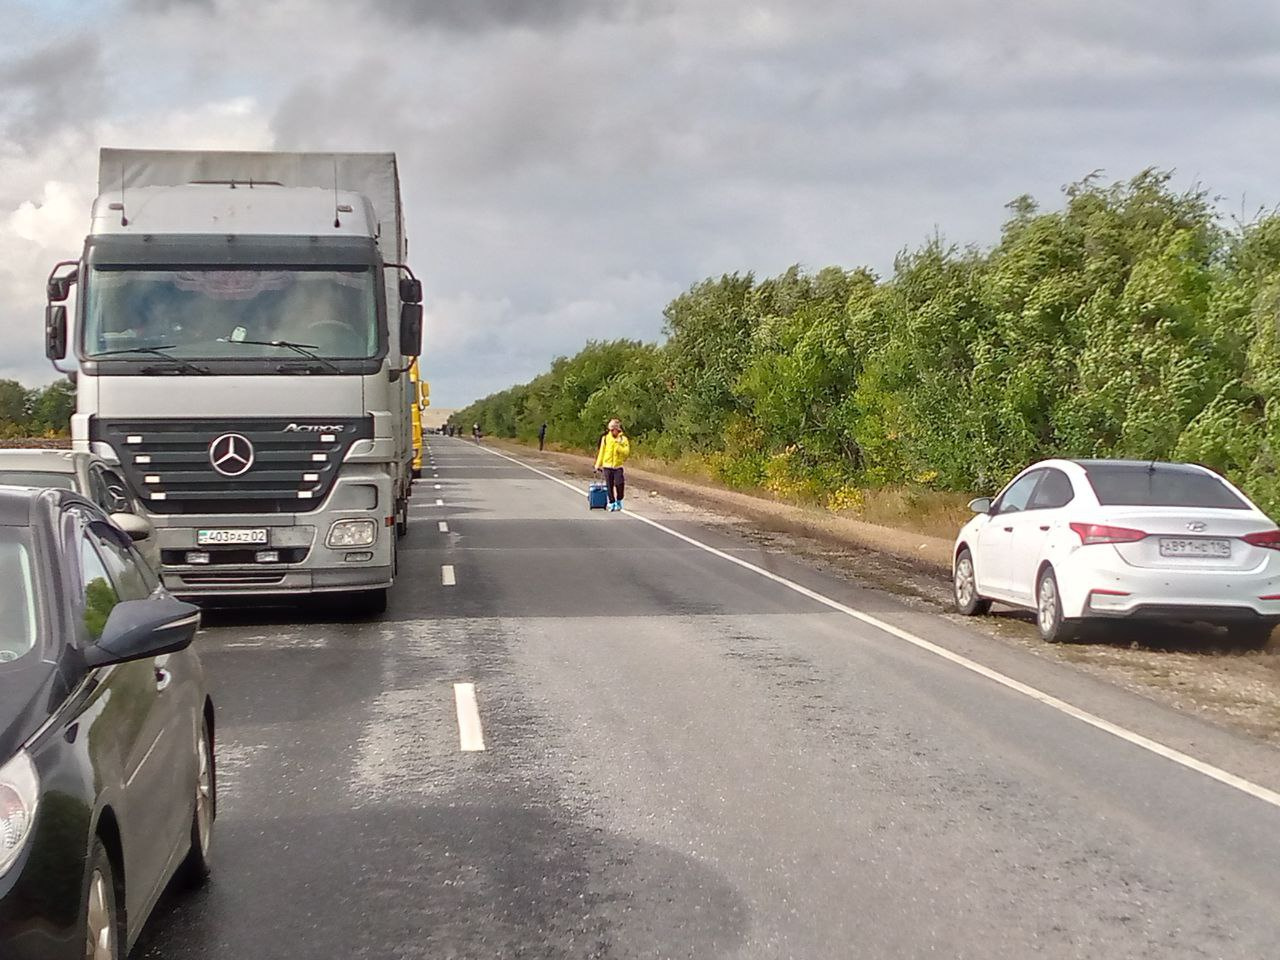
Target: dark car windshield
(1159, 485)
(17, 596)
(210, 314)
(37, 478)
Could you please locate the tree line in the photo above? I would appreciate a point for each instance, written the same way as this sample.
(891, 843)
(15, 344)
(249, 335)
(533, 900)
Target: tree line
(40, 412)
(1136, 321)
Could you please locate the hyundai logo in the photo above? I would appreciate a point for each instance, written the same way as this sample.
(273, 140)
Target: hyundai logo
(231, 454)
(1195, 526)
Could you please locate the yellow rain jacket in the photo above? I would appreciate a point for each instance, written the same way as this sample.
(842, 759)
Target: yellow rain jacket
(613, 450)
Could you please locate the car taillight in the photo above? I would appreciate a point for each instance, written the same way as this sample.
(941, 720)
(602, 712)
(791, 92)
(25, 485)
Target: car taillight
(1269, 539)
(19, 799)
(1101, 533)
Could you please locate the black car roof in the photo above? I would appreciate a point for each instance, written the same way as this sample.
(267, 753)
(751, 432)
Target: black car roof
(32, 506)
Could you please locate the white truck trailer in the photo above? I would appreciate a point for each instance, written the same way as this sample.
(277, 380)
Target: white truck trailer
(243, 328)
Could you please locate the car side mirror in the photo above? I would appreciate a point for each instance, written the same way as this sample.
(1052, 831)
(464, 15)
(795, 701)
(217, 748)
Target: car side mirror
(57, 289)
(55, 331)
(138, 528)
(980, 505)
(138, 629)
(410, 329)
(410, 290)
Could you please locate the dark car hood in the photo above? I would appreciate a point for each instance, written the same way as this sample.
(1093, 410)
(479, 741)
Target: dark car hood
(26, 694)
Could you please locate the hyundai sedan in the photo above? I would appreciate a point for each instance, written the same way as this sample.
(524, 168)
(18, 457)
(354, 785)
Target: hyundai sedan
(107, 787)
(1082, 540)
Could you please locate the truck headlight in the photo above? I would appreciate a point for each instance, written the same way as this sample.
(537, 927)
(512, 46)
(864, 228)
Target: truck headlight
(352, 533)
(19, 798)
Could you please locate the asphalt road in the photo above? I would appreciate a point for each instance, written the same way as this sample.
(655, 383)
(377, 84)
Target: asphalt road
(685, 758)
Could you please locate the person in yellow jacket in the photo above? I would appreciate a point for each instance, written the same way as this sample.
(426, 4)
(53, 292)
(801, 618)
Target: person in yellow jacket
(613, 453)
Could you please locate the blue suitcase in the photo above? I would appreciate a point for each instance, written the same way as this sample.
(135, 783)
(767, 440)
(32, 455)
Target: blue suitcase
(597, 496)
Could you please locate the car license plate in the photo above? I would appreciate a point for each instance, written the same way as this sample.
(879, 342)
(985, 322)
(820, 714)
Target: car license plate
(237, 536)
(1200, 547)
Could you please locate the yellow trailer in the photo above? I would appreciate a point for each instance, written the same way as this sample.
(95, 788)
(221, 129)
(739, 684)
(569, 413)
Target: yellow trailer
(420, 392)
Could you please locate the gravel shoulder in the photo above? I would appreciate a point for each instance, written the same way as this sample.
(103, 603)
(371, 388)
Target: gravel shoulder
(1187, 668)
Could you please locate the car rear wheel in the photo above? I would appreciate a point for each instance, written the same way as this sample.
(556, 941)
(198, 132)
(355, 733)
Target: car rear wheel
(965, 582)
(102, 915)
(1053, 626)
(196, 867)
(1250, 636)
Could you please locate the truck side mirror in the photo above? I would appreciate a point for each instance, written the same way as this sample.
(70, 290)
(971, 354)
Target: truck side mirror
(410, 329)
(59, 288)
(410, 291)
(55, 331)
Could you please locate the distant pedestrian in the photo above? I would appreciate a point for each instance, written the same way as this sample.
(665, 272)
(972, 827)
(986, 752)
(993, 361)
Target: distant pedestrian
(613, 453)
(542, 436)
(475, 432)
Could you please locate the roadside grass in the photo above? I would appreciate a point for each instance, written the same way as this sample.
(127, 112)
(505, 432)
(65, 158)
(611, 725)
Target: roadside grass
(934, 513)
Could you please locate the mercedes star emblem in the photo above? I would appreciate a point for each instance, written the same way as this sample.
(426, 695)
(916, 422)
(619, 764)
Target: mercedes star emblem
(231, 454)
(1195, 526)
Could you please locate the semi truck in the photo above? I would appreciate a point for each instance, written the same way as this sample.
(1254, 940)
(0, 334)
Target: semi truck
(240, 338)
(420, 399)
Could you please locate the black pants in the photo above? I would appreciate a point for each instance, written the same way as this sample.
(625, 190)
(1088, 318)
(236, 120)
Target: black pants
(616, 483)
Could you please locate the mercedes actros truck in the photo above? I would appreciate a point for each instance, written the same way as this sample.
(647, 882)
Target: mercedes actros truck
(240, 335)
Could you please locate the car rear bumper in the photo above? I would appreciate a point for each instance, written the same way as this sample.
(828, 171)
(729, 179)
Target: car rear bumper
(1116, 589)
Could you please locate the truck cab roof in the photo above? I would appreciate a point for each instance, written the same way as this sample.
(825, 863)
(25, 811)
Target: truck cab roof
(234, 208)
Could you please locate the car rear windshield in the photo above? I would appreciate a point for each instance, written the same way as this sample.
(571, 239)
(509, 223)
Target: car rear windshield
(1159, 485)
(17, 596)
(37, 478)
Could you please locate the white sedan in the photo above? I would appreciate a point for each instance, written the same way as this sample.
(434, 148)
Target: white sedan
(1078, 540)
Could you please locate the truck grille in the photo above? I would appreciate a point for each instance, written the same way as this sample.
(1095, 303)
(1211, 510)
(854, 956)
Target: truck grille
(271, 465)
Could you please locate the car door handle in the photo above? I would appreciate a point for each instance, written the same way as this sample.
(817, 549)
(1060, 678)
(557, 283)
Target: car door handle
(163, 679)
(1044, 526)
(1008, 529)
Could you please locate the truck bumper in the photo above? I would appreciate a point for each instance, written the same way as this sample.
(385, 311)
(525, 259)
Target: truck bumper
(304, 561)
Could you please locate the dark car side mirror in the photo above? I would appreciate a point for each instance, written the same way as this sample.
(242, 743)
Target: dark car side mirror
(55, 332)
(138, 629)
(980, 505)
(410, 290)
(410, 329)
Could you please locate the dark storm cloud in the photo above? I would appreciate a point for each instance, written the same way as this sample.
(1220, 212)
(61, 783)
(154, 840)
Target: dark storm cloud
(55, 85)
(480, 15)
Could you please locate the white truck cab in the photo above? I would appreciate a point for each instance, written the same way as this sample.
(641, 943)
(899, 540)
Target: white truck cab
(242, 333)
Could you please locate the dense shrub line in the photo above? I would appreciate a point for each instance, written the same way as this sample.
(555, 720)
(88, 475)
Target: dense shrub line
(1134, 322)
(42, 412)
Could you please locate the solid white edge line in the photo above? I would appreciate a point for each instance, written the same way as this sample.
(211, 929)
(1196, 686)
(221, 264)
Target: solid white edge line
(1146, 743)
(444, 527)
(470, 733)
(447, 576)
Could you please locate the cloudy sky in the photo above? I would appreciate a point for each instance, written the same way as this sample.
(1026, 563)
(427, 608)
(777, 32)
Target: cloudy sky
(571, 165)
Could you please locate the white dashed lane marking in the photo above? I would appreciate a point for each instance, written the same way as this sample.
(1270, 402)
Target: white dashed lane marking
(439, 502)
(444, 527)
(447, 577)
(470, 733)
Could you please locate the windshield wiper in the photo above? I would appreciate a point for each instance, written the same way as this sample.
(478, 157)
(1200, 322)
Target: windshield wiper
(302, 349)
(159, 351)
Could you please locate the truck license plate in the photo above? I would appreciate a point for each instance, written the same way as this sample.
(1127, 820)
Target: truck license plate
(237, 536)
(1170, 547)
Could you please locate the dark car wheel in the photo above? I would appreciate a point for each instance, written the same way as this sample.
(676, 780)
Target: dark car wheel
(1250, 636)
(1053, 626)
(102, 914)
(195, 868)
(965, 582)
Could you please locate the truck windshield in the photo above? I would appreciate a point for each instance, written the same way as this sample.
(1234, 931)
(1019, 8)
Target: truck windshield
(231, 313)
